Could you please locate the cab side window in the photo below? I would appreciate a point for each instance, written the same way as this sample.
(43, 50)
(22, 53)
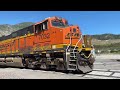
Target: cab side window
(42, 26)
(45, 25)
(36, 28)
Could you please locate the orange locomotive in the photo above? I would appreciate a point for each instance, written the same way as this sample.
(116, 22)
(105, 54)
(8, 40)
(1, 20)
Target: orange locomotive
(50, 44)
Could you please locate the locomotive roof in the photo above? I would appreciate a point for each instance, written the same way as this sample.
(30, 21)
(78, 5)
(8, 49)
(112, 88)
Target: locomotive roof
(47, 19)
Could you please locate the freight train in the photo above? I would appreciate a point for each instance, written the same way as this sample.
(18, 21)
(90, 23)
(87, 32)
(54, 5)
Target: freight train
(49, 44)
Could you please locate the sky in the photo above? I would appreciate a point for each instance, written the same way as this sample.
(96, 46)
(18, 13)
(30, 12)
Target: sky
(90, 22)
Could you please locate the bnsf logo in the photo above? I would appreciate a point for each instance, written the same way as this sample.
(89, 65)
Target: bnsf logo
(44, 36)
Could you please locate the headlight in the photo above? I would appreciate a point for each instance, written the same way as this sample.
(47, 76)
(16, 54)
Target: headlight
(54, 47)
(83, 45)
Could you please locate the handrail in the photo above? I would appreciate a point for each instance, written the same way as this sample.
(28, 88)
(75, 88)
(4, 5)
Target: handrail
(69, 44)
(77, 44)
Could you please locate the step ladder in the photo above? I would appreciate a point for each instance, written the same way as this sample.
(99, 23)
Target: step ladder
(71, 54)
(72, 60)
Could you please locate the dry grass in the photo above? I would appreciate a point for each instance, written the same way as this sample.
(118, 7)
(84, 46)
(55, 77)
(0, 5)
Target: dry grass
(103, 42)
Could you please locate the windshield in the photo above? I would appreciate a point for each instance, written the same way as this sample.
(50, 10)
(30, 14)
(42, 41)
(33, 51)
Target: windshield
(58, 24)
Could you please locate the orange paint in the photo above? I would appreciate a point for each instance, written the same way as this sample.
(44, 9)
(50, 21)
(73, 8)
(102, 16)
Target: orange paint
(51, 36)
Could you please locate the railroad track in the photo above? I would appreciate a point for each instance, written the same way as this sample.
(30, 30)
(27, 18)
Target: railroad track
(102, 74)
(41, 74)
(95, 74)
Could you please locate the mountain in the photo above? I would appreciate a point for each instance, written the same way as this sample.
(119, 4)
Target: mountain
(6, 29)
(106, 36)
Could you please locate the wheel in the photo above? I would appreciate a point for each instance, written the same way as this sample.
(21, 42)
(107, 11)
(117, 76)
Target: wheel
(60, 66)
(30, 63)
(43, 66)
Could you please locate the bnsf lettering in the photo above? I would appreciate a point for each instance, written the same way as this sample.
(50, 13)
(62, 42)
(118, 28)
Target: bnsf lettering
(46, 44)
(44, 36)
(6, 45)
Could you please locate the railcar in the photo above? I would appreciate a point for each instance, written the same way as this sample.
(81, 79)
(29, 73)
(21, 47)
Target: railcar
(49, 44)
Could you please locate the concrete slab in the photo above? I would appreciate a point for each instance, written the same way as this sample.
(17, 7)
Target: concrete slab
(100, 73)
(98, 63)
(115, 70)
(79, 75)
(116, 75)
(100, 69)
(99, 77)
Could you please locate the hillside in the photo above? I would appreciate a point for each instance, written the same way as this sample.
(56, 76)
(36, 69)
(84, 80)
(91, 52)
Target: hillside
(106, 43)
(106, 36)
(6, 29)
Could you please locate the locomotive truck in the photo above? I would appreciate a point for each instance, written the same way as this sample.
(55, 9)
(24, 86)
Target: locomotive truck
(49, 44)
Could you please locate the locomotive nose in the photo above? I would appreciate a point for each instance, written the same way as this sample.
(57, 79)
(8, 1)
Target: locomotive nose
(84, 65)
(74, 32)
(74, 29)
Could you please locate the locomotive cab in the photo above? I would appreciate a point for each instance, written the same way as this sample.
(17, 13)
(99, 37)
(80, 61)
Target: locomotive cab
(78, 47)
(61, 32)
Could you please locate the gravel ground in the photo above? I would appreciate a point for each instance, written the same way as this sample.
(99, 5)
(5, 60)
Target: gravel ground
(103, 62)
